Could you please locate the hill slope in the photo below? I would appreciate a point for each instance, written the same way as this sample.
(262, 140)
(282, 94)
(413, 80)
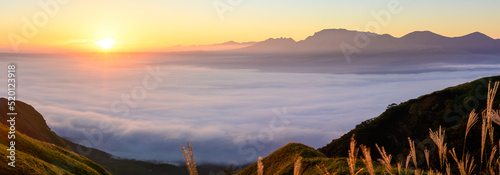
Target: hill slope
(449, 108)
(282, 161)
(126, 166)
(36, 132)
(37, 157)
(30, 122)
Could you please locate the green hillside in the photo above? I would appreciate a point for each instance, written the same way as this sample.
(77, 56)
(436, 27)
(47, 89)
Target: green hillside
(30, 122)
(37, 135)
(37, 157)
(127, 166)
(281, 162)
(449, 108)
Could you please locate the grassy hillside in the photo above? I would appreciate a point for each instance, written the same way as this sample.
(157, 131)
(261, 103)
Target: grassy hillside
(449, 108)
(36, 132)
(281, 162)
(37, 157)
(30, 122)
(127, 166)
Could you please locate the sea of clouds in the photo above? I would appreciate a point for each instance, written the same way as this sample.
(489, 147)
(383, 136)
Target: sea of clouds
(228, 115)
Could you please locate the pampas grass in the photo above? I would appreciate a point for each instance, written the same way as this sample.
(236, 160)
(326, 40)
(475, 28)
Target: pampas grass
(495, 117)
(413, 154)
(367, 160)
(492, 156)
(464, 166)
(407, 162)
(260, 167)
(399, 167)
(353, 153)
(386, 159)
(470, 122)
(426, 153)
(438, 138)
(189, 157)
(448, 169)
(483, 137)
(323, 171)
(298, 164)
(489, 107)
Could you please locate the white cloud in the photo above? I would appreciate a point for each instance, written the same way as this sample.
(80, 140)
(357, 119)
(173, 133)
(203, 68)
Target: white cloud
(215, 109)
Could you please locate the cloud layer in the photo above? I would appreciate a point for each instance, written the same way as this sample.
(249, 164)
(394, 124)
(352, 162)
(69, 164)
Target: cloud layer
(229, 115)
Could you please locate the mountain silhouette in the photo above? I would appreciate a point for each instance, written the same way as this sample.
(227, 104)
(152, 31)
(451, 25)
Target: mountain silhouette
(331, 41)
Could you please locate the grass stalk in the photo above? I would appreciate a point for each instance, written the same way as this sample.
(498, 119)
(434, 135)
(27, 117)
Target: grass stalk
(386, 159)
(353, 153)
(297, 166)
(260, 167)
(367, 160)
(189, 157)
(470, 123)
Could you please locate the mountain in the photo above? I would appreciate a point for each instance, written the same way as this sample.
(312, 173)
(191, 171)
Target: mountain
(31, 123)
(33, 156)
(41, 151)
(282, 161)
(448, 108)
(337, 40)
(475, 42)
(36, 157)
(271, 45)
(209, 47)
(120, 166)
(41, 145)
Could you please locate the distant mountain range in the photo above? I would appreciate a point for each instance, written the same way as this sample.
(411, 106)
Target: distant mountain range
(209, 47)
(333, 41)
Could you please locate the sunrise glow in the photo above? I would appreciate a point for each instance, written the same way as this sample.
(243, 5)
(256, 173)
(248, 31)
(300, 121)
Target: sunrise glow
(162, 24)
(106, 43)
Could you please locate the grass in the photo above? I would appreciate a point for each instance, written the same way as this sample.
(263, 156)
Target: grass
(189, 157)
(466, 165)
(300, 159)
(260, 167)
(438, 138)
(353, 154)
(31, 123)
(367, 160)
(297, 167)
(37, 157)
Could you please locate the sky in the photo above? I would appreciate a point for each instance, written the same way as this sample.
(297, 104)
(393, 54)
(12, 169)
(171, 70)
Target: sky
(151, 25)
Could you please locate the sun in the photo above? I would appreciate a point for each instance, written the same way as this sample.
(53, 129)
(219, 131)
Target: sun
(106, 43)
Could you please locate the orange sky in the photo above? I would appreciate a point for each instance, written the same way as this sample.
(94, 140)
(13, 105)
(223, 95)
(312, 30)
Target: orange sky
(66, 25)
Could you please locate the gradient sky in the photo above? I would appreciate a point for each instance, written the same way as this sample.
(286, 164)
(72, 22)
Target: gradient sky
(154, 24)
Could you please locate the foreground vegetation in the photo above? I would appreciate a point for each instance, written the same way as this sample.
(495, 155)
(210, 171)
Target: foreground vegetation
(474, 151)
(37, 157)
